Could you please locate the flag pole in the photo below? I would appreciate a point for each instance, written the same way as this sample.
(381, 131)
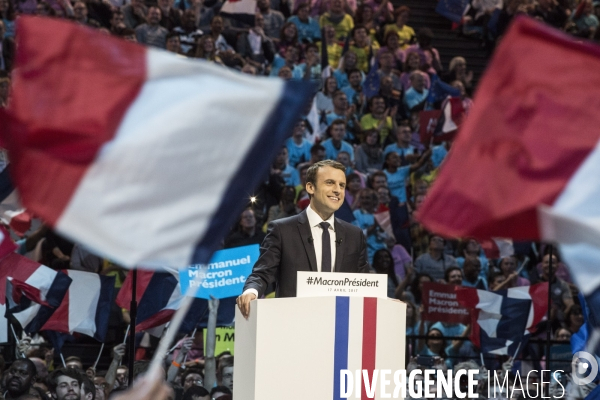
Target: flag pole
(133, 316)
(549, 331)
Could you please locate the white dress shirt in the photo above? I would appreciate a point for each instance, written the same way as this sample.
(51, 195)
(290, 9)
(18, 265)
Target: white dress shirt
(317, 234)
(317, 240)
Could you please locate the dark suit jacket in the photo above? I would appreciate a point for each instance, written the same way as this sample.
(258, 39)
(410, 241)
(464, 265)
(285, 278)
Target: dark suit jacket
(287, 249)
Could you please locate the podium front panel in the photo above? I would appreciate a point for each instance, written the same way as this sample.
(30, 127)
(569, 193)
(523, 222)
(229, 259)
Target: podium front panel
(294, 348)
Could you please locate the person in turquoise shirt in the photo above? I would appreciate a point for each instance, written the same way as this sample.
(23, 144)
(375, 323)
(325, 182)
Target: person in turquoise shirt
(365, 220)
(397, 175)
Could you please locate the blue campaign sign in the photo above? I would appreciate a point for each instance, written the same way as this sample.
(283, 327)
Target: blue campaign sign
(225, 274)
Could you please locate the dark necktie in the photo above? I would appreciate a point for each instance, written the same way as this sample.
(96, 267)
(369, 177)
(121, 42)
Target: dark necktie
(326, 250)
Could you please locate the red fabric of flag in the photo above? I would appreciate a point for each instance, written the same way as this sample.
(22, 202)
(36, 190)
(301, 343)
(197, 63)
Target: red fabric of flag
(533, 123)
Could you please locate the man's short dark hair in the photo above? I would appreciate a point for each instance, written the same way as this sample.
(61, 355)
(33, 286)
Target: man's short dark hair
(70, 372)
(88, 386)
(354, 71)
(449, 270)
(311, 174)
(195, 391)
(316, 148)
(189, 371)
(376, 174)
(222, 389)
(172, 34)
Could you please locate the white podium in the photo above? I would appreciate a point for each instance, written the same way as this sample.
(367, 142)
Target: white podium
(294, 348)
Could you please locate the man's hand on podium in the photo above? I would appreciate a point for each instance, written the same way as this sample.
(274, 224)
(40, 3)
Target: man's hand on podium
(243, 303)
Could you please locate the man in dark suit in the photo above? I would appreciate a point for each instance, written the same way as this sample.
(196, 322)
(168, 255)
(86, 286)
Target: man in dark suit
(313, 240)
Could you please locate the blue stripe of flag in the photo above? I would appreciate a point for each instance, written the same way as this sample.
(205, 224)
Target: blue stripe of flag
(340, 351)
(107, 289)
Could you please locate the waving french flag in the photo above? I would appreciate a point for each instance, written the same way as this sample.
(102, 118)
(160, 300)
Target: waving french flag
(12, 212)
(36, 291)
(145, 157)
(159, 296)
(525, 163)
(503, 319)
(86, 307)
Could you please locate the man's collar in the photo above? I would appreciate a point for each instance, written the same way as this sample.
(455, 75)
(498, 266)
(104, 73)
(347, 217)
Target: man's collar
(315, 219)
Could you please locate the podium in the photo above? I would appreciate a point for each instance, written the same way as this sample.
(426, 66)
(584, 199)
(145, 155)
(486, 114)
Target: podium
(294, 348)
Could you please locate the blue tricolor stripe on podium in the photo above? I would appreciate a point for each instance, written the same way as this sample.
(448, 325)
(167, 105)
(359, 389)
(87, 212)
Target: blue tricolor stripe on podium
(355, 338)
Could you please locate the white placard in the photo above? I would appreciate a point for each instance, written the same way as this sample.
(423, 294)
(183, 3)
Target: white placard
(318, 284)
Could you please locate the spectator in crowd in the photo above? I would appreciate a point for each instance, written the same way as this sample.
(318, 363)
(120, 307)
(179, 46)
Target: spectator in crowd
(585, 20)
(383, 263)
(225, 373)
(405, 33)
(334, 49)
(338, 18)
(151, 33)
(435, 261)
(354, 89)
(508, 268)
(216, 31)
(368, 155)
(365, 220)
(65, 384)
(317, 153)
(80, 14)
(170, 17)
(383, 9)
(391, 43)
(416, 288)
(19, 378)
(247, 232)
(412, 318)
(273, 19)
(204, 14)
(220, 392)
(380, 119)
(173, 43)
(288, 36)
(467, 103)
(453, 276)
(188, 33)
(324, 98)
(88, 390)
(290, 60)
(349, 63)
(74, 362)
(402, 146)
(387, 64)
(430, 57)
(353, 188)
(412, 64)
(469, 247)
(457, 71)
(342, 110)
(7, 16)
(206, 50)
(196, 393)
(562, 334)
(398, 175)
(255, 46)
(135, 14)
(335, 143)
(311, 67)
(191, 377)
(363, 46)
(286, 171)
(298, 147)
(562, 299)
(366, 17)
(308, 28)
(117, 21)
(416, 96)
(286, 207)
(574, 319)
(472, 277)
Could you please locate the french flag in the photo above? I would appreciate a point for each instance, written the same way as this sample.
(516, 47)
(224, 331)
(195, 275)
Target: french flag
(357, 334)
(86, 307)
(529, 153)
(145, 157)
(45, 287)
(503, 319)
(12, 212)
(159, 296)
(240, 10)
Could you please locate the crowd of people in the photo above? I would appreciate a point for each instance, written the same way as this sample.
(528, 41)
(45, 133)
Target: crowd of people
(371, 129)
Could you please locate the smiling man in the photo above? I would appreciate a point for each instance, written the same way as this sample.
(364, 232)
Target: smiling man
(313, 240)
